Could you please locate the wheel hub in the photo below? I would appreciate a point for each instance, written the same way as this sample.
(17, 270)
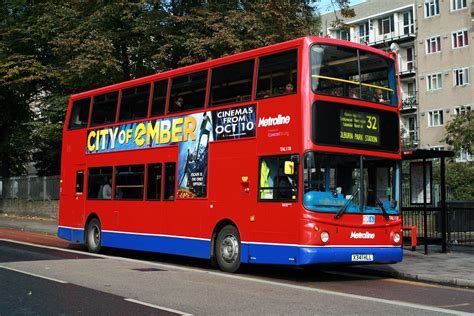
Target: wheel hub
(229, 248)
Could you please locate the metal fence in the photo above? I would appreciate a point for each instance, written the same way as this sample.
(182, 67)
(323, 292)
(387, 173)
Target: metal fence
(31, 188)
(459, 223)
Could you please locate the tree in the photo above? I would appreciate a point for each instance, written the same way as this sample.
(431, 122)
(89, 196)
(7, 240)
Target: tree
(50, 50)
(23, 77)
(204, 31)
(460, 132)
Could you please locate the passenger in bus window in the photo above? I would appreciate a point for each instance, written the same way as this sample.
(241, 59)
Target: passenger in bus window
(289, 88)
(106, 190)
(178, 104)
(378, 96)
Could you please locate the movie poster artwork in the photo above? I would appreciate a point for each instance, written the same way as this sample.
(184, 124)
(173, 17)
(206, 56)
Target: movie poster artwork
(193, 160)
(192, 133)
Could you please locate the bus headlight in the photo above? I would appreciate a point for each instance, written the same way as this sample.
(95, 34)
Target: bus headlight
(396, 238)
(324, 237)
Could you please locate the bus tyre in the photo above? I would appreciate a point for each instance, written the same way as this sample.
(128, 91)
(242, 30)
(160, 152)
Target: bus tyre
(94, 236)
(228, 249)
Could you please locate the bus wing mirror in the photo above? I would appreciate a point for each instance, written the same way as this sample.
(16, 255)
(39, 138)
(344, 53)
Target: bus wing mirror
(289, 168)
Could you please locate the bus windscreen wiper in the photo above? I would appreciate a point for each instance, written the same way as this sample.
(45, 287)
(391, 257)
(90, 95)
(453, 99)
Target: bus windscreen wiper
(344, 207)
(380, 204)
(384, 211)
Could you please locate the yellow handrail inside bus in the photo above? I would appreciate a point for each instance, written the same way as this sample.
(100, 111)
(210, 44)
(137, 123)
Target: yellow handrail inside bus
(352, 82)
(129, 186)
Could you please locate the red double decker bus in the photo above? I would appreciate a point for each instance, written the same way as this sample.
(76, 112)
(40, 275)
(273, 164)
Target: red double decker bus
(287, 154)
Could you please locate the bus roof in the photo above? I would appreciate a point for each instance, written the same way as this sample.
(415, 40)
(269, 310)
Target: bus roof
(225, 60)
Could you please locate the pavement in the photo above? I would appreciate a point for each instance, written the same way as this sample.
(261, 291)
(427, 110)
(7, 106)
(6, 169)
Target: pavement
(455, 268)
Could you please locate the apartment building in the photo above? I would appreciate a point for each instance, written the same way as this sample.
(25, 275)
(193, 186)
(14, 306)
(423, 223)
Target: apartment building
(445, 42)
(436, 58)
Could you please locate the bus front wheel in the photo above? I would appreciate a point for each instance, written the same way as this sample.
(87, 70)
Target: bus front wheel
(228, 249)
(94, 236)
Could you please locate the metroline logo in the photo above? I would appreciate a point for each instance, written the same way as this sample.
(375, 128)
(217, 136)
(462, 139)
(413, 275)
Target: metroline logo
(360, 235)
(274, 121)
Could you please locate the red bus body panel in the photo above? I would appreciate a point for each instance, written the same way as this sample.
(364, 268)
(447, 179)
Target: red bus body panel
(271, 232)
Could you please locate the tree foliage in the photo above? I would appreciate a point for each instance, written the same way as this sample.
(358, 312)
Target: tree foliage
(460, 132)
(50, 50)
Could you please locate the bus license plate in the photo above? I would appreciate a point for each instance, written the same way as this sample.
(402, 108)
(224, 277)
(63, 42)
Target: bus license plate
(362, 257)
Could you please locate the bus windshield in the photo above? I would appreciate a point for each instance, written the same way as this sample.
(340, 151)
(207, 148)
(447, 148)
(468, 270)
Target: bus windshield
(359, 184)
(353, 73)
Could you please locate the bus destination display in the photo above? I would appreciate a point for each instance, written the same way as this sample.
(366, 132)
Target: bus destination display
(351, 126)
(359, 127)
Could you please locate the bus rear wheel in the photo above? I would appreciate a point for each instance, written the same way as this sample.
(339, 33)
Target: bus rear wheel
(94, 236)
(228, 249)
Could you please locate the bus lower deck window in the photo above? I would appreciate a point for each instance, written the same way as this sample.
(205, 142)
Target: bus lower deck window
(170, 181)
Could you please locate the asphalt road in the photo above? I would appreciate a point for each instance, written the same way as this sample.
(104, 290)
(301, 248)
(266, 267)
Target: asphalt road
(50, 280)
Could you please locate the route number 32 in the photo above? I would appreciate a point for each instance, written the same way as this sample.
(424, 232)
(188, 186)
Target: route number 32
(371, 122)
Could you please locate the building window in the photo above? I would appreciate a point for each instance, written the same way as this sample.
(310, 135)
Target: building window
(458, 4)
(462, 110)
(364, 33)
(431, 8)
(412, 129)
(461, 77)
(433, 45)
(343, 35)
(464, 156)
(434, 82)
(386, 25)
(435, 118)
(460, 39)
(408, 25)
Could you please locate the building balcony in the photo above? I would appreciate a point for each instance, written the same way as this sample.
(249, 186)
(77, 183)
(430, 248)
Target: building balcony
(407, 70)
(409, 104)
(410, 139)
(382, 32)
(381, 40)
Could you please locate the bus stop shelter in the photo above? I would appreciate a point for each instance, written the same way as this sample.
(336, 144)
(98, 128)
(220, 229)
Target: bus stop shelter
(433, 216)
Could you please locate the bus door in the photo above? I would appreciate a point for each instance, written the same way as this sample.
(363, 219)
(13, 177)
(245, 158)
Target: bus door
(277, 211)
(78, 199)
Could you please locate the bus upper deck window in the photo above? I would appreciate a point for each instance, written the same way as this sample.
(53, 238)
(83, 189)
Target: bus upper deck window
(159, 97)
(353, 73)
(134, 103)
(232, 83)
(104, 108)
(79, 113)
(277, 73)
(188, 92)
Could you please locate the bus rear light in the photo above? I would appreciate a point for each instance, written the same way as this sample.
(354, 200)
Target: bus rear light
(396, 237)
(324, 237)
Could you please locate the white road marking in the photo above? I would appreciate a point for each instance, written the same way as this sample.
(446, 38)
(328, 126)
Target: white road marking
(157, 307)
(243, 278)
(33, 274)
